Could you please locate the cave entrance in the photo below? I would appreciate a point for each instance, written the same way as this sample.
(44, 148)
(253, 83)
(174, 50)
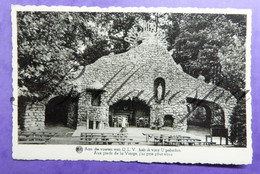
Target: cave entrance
(61, 110)
(136, 112)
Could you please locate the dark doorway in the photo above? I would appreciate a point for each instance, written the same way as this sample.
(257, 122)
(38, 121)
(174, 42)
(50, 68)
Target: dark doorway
(91, 123)
(136, 112)
(62, 110)
(200, 116)
(168, 121)
(21, 111)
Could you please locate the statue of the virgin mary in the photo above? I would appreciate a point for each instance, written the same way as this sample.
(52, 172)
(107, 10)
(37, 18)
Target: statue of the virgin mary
(159, 91)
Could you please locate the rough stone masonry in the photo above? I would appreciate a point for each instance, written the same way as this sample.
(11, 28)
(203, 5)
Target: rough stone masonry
(138, 73)
(133, 73)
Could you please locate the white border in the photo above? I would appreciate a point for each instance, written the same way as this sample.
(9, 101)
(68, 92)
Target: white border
(212, 155)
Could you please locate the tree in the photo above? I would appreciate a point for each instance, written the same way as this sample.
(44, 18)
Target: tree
(50, 46)
(121, 24)
(238, 124)
(214, 46)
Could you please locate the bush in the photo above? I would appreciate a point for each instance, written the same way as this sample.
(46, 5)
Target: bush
(238, 124)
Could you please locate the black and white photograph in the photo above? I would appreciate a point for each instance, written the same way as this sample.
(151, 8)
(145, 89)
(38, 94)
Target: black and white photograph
(134, 82)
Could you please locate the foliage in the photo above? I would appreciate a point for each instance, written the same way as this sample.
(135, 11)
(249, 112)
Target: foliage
(238, 124)
(212, 46)
(51, 45)
(48, 49)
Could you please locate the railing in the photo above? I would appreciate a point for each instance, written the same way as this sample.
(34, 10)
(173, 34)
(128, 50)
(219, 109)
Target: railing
(37, 137)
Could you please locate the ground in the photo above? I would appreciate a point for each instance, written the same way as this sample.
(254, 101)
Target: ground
(65, 135)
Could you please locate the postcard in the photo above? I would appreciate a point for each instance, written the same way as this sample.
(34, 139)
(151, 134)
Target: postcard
(149, 85)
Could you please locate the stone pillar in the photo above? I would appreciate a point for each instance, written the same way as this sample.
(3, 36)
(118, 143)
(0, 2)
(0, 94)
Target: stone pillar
(81, 110)
(101, 125)
(87, 126)
(180, 117)
(98, 125)
(94, 124)
(34, 117)
(228, 115)
(83, 105)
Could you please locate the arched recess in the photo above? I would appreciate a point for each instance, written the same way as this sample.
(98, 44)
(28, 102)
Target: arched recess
(136, 111)
(62, 110)
(159, 89)
(205, 114)
(168, 121)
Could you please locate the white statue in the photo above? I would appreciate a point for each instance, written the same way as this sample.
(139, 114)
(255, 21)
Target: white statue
(124, 122)
(159, 91)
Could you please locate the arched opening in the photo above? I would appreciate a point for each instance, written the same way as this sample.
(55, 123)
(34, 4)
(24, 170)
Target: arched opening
(168, 121)
(204, 115)
(200, 116)
(159, 89)
(61, 111)
(136, 112)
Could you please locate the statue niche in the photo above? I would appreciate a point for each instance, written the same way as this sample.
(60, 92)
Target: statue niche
(159, 89)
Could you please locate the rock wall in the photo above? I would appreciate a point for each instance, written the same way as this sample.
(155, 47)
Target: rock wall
(72, 114)
(87, 112)
(34, 117)
(84, 101)
(132, 74)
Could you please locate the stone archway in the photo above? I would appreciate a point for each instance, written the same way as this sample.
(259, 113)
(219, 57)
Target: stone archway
(205, 114)
(61, 110)
(136, 111)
